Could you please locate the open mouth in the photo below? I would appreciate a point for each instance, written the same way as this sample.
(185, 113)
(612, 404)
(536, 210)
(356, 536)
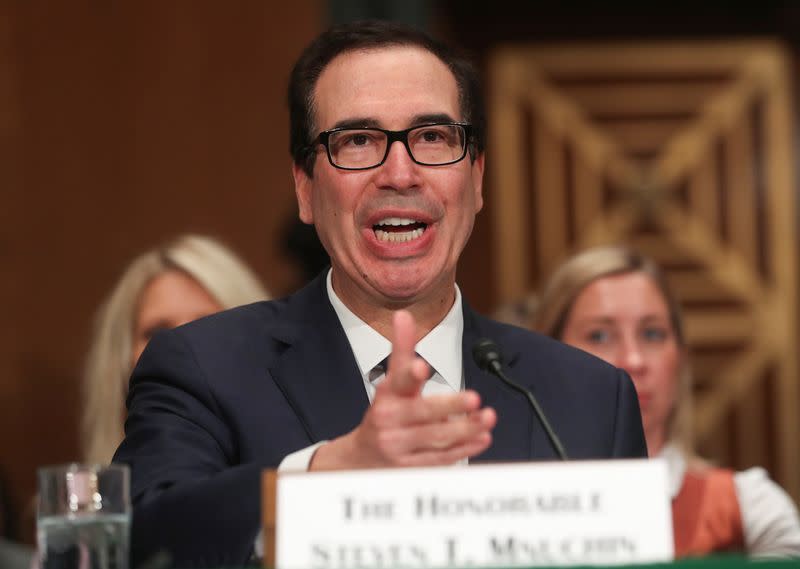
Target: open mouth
(398, 229)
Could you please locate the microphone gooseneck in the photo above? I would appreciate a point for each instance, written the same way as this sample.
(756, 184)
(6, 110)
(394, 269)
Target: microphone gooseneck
(489, 358)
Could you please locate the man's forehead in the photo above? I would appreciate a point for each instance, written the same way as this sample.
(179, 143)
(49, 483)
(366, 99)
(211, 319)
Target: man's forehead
(377, 86)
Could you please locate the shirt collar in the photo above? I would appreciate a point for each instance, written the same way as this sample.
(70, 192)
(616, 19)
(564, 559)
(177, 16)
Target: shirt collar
(441, 347)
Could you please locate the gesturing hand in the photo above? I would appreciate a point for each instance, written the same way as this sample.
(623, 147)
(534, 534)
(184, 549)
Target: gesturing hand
(402, 428)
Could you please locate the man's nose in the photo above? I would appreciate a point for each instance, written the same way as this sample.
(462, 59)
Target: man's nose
(399, 171)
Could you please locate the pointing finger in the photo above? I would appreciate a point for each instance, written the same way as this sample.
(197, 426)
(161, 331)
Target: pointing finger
(402, 377)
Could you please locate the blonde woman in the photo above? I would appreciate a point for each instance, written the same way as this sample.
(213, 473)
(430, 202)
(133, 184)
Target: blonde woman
(185, 279)
(615, 304)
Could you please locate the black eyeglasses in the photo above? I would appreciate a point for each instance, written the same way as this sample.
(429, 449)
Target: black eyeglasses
(364, 148)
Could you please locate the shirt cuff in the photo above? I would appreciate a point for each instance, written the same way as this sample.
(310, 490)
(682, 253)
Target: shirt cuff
(298, 461)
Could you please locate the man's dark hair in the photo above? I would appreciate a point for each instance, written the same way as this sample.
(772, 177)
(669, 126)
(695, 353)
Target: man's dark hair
(364, 35)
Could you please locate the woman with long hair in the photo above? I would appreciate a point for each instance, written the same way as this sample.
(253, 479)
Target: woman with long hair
(187, 278)
(615, 303)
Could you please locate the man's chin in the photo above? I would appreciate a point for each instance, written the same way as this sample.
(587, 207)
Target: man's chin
(401, 292)
(399, 296)
(398, 283)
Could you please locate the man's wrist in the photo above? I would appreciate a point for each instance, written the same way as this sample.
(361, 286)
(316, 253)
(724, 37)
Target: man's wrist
(338, 454)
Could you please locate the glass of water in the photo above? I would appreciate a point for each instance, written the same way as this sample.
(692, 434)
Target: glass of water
(83, 519)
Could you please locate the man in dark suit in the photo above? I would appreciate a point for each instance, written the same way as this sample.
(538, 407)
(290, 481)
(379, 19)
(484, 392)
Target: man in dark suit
(387, 141)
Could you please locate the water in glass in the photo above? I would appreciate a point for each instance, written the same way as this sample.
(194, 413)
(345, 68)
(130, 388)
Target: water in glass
(97, 541)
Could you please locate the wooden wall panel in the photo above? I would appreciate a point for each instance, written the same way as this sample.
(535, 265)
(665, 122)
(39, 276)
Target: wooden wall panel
(126, 123)
(689, 146)
(9, 285)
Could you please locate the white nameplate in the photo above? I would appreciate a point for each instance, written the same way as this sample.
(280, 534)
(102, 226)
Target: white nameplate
(500, 515)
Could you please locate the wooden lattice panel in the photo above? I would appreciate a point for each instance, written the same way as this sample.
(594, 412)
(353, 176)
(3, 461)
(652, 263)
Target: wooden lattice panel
(685, 152)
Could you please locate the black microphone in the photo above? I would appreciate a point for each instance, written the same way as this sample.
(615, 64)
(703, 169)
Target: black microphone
(489, 358)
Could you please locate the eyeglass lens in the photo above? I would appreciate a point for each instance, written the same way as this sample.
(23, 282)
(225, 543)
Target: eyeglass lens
(364, 148)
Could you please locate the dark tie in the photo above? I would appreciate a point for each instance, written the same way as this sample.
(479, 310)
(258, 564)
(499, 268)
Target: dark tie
(377, 373)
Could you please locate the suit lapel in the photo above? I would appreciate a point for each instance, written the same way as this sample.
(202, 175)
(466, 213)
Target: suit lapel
(319, 376)
(511, 438)
(317, 371)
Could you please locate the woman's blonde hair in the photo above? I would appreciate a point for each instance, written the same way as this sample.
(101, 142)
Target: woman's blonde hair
(108, 366)
(575, 274)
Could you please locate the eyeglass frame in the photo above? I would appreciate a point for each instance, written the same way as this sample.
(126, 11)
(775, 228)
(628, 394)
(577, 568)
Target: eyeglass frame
(393, 136)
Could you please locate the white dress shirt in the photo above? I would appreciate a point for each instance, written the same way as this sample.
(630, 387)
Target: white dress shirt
(441, 348)
(769, 517)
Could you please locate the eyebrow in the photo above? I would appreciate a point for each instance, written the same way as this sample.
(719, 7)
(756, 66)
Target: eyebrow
(357, 123)
(656, 318)
(647, 318)
(433, 118)
(592, 320)
(416, 120)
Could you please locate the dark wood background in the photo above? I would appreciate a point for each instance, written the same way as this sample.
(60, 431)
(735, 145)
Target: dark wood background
(124, 123)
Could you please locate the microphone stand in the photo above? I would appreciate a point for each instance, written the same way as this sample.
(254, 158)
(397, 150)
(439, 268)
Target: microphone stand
(487, 355)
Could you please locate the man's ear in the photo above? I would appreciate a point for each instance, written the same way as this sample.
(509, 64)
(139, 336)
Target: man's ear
(477, 180)
(303, 190)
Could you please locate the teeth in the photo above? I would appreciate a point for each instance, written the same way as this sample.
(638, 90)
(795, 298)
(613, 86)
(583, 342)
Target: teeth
(396, 221)
(399, 237)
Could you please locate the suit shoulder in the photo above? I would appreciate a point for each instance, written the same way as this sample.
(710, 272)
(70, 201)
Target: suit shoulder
(250, 324)
(278, 318)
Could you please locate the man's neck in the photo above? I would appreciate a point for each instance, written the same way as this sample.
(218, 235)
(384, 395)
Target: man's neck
(377, 312)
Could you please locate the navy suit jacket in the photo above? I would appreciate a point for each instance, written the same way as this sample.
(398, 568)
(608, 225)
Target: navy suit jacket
(214, 402)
